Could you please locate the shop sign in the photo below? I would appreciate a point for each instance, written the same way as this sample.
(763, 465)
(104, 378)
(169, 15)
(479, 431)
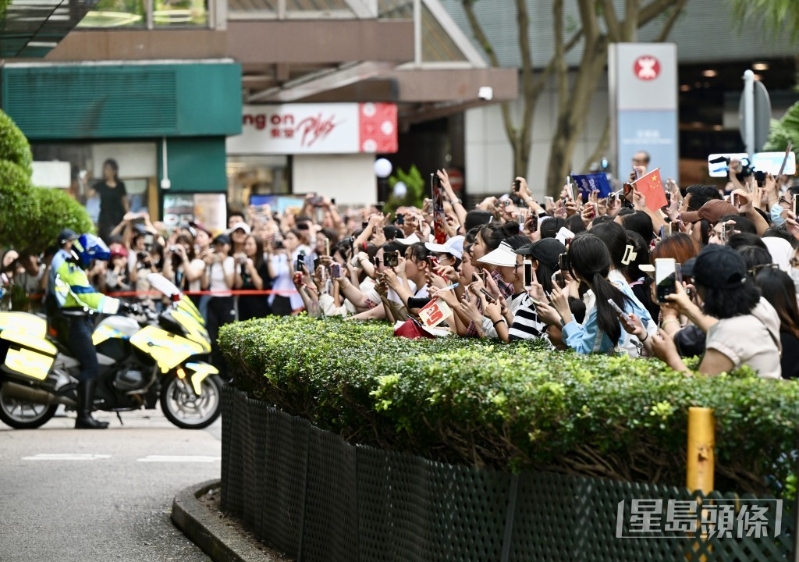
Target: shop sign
(332, 128)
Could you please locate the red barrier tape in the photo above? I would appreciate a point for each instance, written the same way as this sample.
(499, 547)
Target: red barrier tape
(231, 293)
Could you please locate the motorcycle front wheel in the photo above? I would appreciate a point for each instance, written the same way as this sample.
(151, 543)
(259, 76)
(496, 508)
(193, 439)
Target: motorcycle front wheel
(24, 415)
(187, 410)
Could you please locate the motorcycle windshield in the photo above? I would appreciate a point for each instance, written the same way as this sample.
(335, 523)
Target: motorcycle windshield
(163, 285)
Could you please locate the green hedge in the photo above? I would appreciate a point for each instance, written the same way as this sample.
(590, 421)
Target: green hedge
(514, 406)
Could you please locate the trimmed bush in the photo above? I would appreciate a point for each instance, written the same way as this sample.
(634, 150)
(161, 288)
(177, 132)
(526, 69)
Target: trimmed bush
(14, 146)
(55, 210)
(514, 406)
(17, 204)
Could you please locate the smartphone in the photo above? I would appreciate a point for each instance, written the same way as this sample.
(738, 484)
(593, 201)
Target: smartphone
(327, 246)
(364, 224)
(316, 264)
(794, 204)
(550, 201)
(560, 279)
(528, 273)
(734, 200)
(665, 278)
(569, 188)
(391, 259)
(300, 263)
(533, 222)
(618, 310)
(517, 186)
(400, 219)
(563, 263)
(489, 297)
(335, 270)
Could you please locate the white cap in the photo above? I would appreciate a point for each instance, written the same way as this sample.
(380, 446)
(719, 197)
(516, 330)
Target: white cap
(409, 241)
(453, 246)
(504, 256)
(239, 226)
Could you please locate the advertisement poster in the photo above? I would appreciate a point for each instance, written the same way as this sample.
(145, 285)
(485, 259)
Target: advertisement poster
(209, 209)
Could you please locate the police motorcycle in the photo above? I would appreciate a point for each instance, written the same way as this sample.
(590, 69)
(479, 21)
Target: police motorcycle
(144, 358)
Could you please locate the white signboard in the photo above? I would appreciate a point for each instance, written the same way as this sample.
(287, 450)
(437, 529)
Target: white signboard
(51, 174)
(328, 128)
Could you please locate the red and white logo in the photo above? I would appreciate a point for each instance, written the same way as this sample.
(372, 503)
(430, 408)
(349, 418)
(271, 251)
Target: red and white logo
(646, 67)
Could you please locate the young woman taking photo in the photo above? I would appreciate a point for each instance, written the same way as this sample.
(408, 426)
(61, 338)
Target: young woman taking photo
(602, 331)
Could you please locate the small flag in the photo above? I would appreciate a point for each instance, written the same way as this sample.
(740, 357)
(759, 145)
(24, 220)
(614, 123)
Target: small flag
(586, 183)
(651, 187)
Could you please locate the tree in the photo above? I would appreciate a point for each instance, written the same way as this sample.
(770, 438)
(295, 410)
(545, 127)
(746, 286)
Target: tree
(778, 15)
(784, 131)
(31, 217)
(574, 99)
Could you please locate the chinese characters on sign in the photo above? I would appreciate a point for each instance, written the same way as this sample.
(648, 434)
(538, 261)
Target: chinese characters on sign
(317, 128)
(685, 519)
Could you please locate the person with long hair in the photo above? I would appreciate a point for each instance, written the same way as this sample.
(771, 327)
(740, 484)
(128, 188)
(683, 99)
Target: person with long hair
(252, 273)
(778, 289)
(742, 327)
(183, 267)
(113, 198)
(602, 332)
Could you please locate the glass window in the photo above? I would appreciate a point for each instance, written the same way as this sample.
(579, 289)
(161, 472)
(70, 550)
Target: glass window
(180, 13)
(116, 13)
(255, 175)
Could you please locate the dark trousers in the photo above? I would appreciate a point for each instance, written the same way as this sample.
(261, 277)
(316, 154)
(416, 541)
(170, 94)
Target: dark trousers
(221, 311)
(80, 343)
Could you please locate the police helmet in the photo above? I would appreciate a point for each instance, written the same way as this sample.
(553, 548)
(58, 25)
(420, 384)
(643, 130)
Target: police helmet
(89, 247)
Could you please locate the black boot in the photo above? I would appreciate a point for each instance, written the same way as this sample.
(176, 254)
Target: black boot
(85, 404)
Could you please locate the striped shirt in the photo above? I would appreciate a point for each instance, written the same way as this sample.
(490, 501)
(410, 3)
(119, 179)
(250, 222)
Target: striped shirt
(526, 325)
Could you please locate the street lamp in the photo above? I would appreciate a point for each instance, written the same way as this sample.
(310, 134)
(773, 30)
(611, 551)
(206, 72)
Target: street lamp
(382, 168)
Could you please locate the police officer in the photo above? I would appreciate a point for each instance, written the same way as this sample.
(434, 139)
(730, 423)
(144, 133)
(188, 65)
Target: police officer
(75, 301)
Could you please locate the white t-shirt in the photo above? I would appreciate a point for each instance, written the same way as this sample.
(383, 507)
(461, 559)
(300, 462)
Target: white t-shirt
(218, 272)
(752, 339)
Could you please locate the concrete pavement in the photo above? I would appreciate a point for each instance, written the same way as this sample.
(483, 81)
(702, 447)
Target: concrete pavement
(86, 496)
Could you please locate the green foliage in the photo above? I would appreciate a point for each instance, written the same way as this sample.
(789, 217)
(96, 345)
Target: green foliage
(514, 406)
(777, 15)
(56, 210)
(17, 205)
(13, 144)
(31, 217)
(784, 131)
(416, 194)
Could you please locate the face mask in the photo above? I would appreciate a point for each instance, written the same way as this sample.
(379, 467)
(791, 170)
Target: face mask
(776, 211)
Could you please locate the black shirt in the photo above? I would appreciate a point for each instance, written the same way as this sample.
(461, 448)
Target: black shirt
(790, 355)
(111, 208)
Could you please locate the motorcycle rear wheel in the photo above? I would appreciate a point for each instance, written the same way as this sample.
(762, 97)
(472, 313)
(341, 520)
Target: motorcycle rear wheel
(186, 410)
(24, 415)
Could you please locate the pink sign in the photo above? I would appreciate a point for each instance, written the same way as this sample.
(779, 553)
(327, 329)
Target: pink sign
(332, 128)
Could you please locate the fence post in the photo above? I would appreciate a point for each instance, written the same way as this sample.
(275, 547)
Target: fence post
(701, 445)
(701, 460)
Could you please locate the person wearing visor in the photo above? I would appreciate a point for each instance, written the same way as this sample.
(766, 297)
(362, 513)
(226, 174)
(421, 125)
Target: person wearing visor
(74, 301)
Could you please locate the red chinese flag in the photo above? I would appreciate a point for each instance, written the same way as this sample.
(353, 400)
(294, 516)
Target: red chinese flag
(651, 187)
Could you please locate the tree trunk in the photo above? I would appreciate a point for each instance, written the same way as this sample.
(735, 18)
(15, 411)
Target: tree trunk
(573, 114)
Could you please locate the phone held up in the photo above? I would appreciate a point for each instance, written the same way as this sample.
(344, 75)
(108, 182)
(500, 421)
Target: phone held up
(391, 259)
(335, 270)
(667, 274)
(528, 273)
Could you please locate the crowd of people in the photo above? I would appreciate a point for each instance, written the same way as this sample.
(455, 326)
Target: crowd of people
(573, 272)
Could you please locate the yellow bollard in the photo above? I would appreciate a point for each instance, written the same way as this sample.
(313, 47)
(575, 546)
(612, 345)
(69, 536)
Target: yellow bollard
(701, 458)
(701, 444)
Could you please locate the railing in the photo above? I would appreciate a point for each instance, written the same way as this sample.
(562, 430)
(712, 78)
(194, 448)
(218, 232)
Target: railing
(313, 496)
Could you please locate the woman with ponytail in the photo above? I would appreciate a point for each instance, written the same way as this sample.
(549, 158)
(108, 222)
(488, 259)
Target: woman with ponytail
(602, 331)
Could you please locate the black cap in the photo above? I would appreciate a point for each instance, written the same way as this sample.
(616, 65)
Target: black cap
(547, 251)
(222, 239)
(66, 235)
(719, 267)
(687, 268)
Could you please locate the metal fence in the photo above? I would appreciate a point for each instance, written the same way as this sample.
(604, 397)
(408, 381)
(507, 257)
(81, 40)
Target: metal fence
(309, 494)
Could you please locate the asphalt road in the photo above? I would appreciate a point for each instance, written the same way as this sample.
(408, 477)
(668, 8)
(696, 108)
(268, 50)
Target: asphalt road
(87, 496)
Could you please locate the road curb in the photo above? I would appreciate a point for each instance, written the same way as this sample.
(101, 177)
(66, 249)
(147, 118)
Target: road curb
(207, 531)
